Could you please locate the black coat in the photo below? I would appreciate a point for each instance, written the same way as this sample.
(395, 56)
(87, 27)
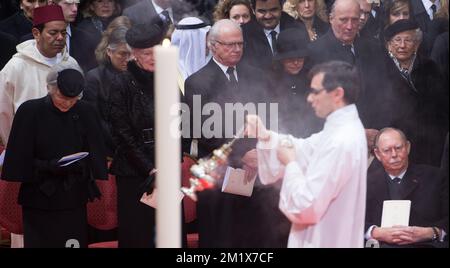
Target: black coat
(88, 36)
(368, 59)
(97, 92)
(8, 48)
(420, 109)
(439, 55)
(17, 25)
(132, 121)
(296, 115)
(423, 185)
(420, 15)
(144, 11)
(41, 133)
(213, 86)
(257, 51)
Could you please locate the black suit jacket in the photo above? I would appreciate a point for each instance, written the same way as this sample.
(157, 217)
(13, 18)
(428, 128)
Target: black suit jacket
(257, 51)
(423, 185)
(226, 220)
(144, 11)
(420, 15)
(16, 25)
(369, 61)
(213, 86)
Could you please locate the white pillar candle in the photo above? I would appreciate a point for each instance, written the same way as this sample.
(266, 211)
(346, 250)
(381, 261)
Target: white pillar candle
(168, 147)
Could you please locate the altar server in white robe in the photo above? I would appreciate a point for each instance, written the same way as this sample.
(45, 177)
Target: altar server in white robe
(323, 192)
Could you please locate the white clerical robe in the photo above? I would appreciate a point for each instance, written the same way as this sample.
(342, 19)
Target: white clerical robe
(324, 191)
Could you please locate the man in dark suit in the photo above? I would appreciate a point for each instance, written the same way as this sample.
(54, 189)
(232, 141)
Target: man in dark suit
(342, 43)
(400, 180)
(226, 220)
(261, 34)
(422, 12)
(169, 11)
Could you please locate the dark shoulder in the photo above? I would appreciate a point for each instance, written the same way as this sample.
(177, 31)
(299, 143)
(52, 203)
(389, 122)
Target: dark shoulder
(427, 171)
(322, 42)
(287, 21)
(204, 74)
(93, 74)
(30, 106)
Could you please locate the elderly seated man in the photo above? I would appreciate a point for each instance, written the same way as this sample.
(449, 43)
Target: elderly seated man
(398, 179)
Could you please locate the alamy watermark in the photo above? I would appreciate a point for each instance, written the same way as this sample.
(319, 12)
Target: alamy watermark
(213, 120)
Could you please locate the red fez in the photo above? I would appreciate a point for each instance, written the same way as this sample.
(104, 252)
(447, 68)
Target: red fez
(47, 13)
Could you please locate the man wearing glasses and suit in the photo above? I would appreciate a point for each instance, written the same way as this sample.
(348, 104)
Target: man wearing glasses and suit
(226, 220)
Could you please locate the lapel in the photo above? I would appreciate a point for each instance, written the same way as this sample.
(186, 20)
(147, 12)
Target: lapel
(336, 46)
(219, 78)
(409, 182)
(380, 186)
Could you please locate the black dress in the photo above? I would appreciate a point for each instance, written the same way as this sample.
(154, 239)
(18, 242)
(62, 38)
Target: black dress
(54, 198)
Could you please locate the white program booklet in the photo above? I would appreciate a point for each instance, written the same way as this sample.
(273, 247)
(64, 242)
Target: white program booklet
(152, 199)
(395, 212)
(234, 182)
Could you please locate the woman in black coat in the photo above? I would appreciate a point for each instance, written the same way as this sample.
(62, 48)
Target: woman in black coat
(418, 101)
(132, 121)
(53, 195)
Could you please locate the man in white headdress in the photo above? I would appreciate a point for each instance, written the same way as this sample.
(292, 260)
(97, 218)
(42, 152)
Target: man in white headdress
(190, 36)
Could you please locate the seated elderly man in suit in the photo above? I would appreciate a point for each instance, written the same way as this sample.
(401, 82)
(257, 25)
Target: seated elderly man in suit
(400, 180)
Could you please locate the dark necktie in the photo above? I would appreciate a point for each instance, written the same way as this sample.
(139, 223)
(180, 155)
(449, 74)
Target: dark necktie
(230, 72)
(395, 188)
(433, 8)
(166, 18)
(348, 49)
(273, 39)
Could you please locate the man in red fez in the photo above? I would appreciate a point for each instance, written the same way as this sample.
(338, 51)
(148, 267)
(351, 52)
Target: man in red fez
(33, 58)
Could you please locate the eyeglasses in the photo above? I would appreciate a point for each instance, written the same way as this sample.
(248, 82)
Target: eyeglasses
(398, 41)
(315, 91)
(388, 151)
(231, 44)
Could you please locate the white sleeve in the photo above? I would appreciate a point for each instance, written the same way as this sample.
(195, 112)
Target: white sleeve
(269, 168)
(6, 105)
(307, 191)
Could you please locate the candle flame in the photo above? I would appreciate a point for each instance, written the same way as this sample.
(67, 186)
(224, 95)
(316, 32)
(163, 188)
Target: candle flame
(166, 43)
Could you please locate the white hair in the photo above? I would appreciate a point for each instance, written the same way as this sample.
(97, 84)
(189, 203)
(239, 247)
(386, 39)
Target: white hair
(52, 75)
